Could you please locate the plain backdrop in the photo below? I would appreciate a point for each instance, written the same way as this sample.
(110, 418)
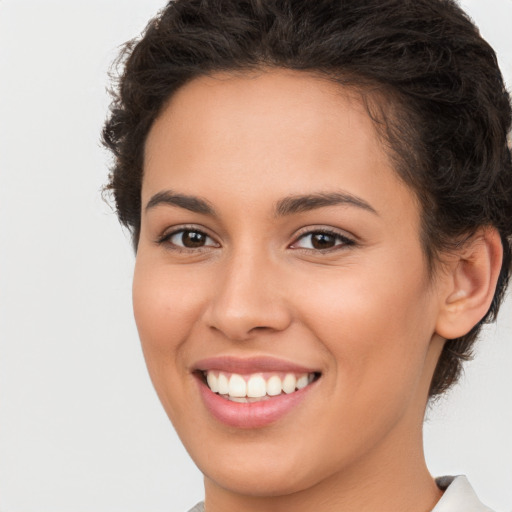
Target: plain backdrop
(81, 429)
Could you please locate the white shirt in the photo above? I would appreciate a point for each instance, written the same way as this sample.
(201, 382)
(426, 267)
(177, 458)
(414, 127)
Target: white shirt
(459, 496)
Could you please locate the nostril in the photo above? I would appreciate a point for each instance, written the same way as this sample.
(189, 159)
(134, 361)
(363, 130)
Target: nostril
(261, 328)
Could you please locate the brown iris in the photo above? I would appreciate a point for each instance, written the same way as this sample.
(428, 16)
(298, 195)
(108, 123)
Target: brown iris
(193, 239)
(323, 240)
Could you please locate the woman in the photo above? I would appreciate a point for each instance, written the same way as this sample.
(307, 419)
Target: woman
(320, 196)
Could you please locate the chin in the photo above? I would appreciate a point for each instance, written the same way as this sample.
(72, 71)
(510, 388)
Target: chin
(256, 466)
(261, 481)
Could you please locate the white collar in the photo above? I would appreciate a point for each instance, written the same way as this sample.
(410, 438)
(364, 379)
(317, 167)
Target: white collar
(458, 496)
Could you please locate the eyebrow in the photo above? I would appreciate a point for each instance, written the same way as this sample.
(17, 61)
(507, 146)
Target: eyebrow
(191, 203)
(287, 206)
(303, 203)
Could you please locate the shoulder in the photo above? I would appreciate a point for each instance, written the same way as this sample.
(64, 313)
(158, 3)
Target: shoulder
(458, 496)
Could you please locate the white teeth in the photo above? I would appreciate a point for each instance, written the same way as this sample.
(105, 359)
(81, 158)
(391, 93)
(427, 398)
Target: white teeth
(213, 382)
(251, 388)
(223, 384)
(274, 386)
(256, 386)
(302, 382)
(289, 383)
(237, 386)
(240, 400)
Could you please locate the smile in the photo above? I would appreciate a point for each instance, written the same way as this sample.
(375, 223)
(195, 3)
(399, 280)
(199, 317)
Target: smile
(255, 392)
(255, 387)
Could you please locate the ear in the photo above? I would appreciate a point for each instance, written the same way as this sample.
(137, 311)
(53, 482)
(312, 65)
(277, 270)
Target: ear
(472, 274)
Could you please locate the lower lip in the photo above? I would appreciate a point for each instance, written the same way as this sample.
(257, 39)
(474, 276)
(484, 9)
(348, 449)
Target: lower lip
(251, 415)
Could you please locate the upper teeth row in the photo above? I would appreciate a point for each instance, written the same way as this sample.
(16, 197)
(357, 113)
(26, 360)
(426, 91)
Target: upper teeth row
(255, 385)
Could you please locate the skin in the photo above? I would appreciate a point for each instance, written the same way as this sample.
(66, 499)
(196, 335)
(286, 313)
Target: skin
(365, 312)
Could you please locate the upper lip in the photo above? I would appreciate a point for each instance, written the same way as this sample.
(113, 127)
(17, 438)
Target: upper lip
(250, 365)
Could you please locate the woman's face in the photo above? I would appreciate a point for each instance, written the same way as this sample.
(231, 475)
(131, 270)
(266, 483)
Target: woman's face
(279, 249)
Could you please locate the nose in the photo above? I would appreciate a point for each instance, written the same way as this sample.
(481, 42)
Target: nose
(249, 298)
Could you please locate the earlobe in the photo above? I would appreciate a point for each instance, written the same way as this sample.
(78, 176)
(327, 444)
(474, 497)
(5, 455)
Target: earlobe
(471, 283)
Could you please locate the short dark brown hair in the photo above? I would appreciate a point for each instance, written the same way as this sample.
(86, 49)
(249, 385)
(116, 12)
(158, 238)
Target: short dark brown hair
(446, 126)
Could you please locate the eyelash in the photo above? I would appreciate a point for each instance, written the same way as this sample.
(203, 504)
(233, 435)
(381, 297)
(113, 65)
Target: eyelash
(343, 241)
(166, 238)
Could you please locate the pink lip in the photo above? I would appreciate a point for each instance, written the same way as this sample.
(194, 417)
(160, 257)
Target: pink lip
(250, 365)
(250, 415)
(255, 414)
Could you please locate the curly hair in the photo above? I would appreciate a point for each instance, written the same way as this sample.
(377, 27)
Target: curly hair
(430, 82)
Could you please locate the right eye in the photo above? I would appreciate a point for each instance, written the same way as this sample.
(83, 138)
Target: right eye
(189, 239)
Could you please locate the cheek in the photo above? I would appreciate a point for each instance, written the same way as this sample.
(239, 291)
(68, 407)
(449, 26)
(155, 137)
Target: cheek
(377, 337)
(377, 324)
(166, 304)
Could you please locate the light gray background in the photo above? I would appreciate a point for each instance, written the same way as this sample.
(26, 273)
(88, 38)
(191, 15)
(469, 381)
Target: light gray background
(80, 426)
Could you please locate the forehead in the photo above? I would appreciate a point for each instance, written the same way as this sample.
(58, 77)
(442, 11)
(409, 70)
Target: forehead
(265, 109)
(279, 130)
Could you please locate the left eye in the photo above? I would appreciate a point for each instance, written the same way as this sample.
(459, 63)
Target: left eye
(191, 239)
(321, 240)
